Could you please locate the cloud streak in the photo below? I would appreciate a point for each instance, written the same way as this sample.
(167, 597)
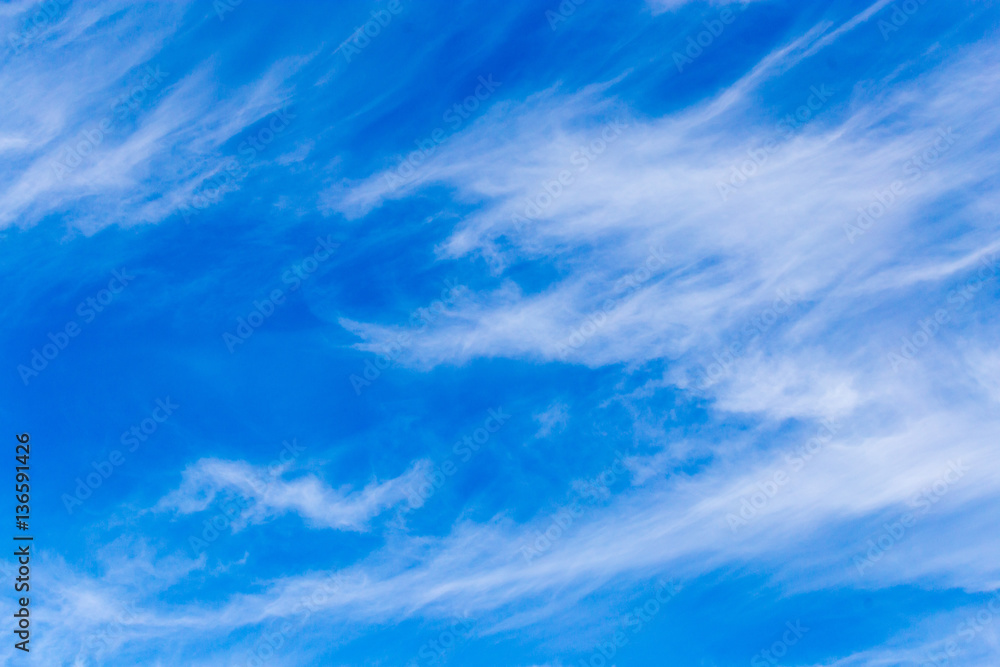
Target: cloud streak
(271, 495)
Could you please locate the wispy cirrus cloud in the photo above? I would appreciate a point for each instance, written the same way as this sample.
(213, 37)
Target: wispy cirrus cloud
(657, 186)
(88, 124)
(700, 269)
(272, 495)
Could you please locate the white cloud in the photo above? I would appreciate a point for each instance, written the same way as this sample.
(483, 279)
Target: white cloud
(807, 535)
(657, 186)
(553, 419)
(272, 495)
(147, 161)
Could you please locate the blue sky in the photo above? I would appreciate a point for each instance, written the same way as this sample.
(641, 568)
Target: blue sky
(525, 334)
